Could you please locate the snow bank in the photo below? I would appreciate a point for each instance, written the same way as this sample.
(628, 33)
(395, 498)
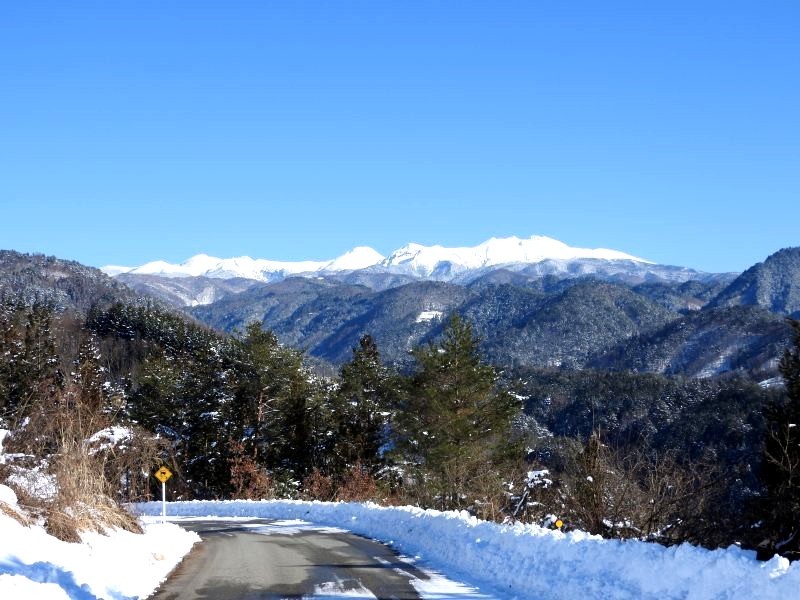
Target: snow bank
(120, 565)
(527, 561)
(7, 495)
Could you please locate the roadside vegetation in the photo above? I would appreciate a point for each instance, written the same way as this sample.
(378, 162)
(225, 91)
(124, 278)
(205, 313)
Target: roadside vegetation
(95, 404)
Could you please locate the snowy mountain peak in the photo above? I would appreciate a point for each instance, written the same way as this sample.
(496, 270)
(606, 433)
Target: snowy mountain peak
(426, 260)
(250, 268)
(436, 262)
(358, 258)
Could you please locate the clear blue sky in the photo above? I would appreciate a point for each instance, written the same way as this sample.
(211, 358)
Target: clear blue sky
(135, 131)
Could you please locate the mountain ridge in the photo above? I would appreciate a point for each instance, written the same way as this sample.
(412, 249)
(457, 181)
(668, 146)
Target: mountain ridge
(412, 259)
(524, 259)
(771, 284)
(525, 316)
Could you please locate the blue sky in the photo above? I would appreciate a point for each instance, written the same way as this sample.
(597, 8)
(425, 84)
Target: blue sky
(135, 131)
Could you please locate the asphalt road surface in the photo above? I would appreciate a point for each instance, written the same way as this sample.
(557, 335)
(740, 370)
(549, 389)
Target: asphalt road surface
(257, 559)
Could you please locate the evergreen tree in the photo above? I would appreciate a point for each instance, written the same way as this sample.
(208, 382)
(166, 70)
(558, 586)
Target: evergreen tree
(90, 377)
(204, 392)
(183, 399)
(275, 409)
(779, 509)
(457, 423)
(362, 405)
(10, 350)
(29, 362)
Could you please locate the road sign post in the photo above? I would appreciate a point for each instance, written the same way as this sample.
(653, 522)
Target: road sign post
(162, 475)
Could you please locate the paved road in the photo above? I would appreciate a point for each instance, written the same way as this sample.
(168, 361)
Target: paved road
(264, 559)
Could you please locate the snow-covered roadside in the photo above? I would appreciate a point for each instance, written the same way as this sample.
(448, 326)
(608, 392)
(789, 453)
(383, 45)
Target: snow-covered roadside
(526, 561)
(120, 565)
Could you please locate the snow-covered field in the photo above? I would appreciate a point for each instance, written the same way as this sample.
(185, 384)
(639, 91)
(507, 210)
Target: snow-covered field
(119, 565)
(526, 561)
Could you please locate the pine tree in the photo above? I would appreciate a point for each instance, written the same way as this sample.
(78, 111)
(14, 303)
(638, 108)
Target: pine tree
(457, 425)
(361, 405)
(30, 365)
(779, 509)
(275, 408)
(90, 377)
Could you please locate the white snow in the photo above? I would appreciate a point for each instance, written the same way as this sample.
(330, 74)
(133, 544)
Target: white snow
(772, 382)
(207, 296)
(118, 565)
(539, 478)
(108, 438)
(7, 495)
(34, 481)
(429, 315)
(19, 587)
(114, 270)
(431, 585)
(413, 259)
(250, 268)
(358, 258)
(507, 561)
(338, 589)
(527, 561)
(424, 260)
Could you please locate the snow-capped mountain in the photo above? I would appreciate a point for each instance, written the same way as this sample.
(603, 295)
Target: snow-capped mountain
(430, 261)
(434, 262)
(245, 267)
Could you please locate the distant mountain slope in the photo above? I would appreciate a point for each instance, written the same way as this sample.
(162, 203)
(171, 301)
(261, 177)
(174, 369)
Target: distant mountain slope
(705, 343)
(185, 291)
(564, 328)
(686, 296)
(327, 318)
(65, 284)
(296, 300)
(621, 270)
(773, 284)
(564, 324)
(524, 318)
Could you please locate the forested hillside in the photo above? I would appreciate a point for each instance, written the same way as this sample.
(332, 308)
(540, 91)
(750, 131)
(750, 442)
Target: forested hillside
(772, 284)
(62, 284)
(575, 323)
(623, 454)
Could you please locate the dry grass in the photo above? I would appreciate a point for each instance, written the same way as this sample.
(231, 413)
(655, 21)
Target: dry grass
(15, 514)
(83, 501)
(54, 439)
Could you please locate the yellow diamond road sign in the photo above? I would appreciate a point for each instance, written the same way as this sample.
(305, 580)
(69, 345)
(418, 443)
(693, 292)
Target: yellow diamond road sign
(163, 474)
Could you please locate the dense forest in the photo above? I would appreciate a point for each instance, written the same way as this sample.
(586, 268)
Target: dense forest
(131, 386)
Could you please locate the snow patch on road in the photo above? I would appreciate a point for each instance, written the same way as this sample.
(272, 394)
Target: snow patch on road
(339, 590)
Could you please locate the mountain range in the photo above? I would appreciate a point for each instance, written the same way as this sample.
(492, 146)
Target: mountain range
(531, 258)
(565, 308)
